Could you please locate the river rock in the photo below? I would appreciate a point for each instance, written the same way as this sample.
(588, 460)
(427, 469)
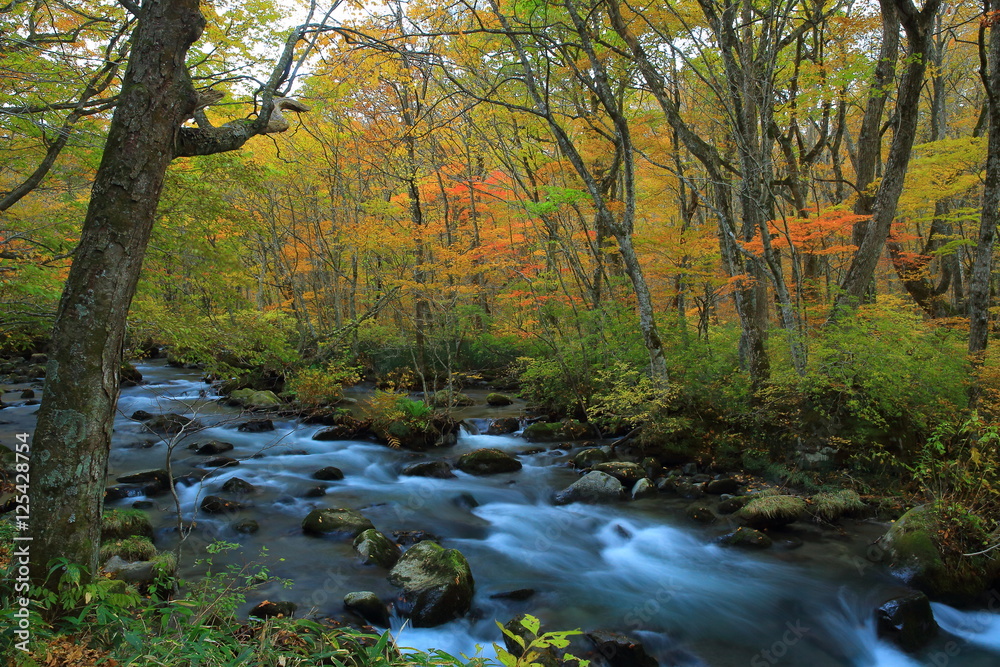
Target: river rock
(213, 448)
(328, 474)
(543, 432)
(772, 511)
(246, 526)
(259, 400)
(503, 426)
(908, 620)
(625, 472)
(435, 469)
(545, 656)
(589, 457)
(141, 416)
(129, 375)
(336, 432)
(498, 400)
(154, 482)
(732, 504)
(122, 491)
(700, 514)
(910, 550)
(219, 462)
(367, 605)
(171, 423)
(335, 521)
(594, 487)
(139, 573)
(268, 609)
(487, 462)
(644, 488)
(437, 583)
(315, 492)
(620, 650)
(455, 399)
(256, 426)
(217, 505)
(747, 538)
(377, 549)
(238, 485)
(721, 485)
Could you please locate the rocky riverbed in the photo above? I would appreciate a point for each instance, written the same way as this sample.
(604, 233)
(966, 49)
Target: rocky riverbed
(681, 562)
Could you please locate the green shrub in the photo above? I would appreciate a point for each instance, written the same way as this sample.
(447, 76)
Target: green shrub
(315, 387)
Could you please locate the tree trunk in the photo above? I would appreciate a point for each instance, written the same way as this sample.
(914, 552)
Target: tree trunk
(71, 442)
(918, 26)
(73, 434)
(979, 283)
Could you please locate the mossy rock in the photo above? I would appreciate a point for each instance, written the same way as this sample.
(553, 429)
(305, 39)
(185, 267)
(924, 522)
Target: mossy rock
(747, 538)
(124, 523)
(913, 554)
(487, 462)
(454, 399)
(543, 432)
(129, 375)
(772, 511)
(498, 400)
(130, 549)
(368, 605)
(437, 583)
(336, 521)
(377, 549)
(833, 506)
(576, 430)
(254, 400)
(587, 458)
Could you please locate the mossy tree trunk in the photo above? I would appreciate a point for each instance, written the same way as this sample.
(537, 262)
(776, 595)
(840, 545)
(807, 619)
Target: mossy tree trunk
(71, 441)
(73, 435)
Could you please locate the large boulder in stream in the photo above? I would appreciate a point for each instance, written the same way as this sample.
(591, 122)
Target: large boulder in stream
(625, 472)
(437, 584)
(910, 550)
(368, 605)
(335, 521)
(171, 423)
(487, 462)
(907, 619)
(377, 549)
(503, 426)
(435, 469)
(253, 400)
(154, 482)
(594, 487)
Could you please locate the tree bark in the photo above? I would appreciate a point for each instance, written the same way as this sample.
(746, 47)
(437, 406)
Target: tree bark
(71, 441)
(73, 434)
(979, 283)
(918, 26)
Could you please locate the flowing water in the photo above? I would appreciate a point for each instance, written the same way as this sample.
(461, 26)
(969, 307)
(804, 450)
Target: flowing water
(637, 567)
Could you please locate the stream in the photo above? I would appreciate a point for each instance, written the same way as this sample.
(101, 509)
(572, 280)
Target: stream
(636, 567)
